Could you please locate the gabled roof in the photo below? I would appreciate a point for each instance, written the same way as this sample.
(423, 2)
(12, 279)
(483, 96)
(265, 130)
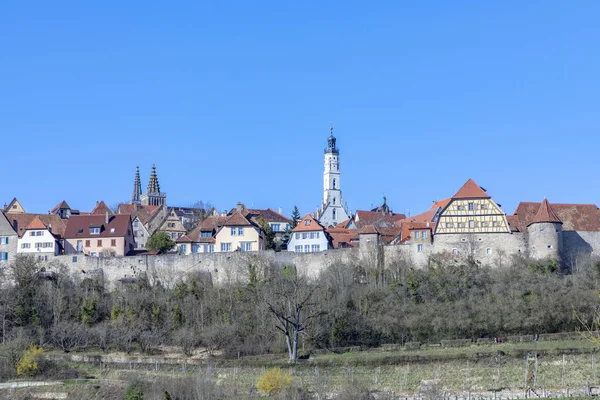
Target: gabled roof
(79, 226)
(20, 221)
(36, 223)
(211, 223)
(14, 207)
(236, 219)
(101, 209)
(268, 215)
(574, 217)
(62, 205)
(470, 190)
(408, 226)
(379, 219)
(308, 223)
(545, 214)
(144, 213)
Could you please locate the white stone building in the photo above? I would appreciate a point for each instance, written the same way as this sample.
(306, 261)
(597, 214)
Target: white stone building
(333, 210)
(309, 236)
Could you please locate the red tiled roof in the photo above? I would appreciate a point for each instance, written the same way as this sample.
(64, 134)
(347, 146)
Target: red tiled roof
(79, 226)
(101, 209)
(20, 221)
(575, 217)
(143, 212)
(236, 219)
(363, 218)
(313, 225)
(368, 229)
(545, 214)
(36, 223)
(470, 190)
(342, 237)
(513, 222)
(212, 223)
(268, 215)
(408, 226)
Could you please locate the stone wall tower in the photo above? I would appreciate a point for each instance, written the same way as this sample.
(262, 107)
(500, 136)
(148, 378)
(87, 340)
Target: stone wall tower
(333, 209)
(545, 234)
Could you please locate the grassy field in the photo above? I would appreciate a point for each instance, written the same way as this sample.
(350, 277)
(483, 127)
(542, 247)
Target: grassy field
(497, 367)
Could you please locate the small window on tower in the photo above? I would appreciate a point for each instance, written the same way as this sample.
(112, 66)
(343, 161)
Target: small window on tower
(334, 183)
(334, 200)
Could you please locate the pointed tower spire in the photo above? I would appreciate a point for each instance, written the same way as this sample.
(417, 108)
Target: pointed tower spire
(153, 186)
(545, 214)
(137, 187)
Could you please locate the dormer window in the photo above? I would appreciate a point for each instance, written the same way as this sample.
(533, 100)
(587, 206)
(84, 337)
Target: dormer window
(307, 222)
(112, 230)
(80, 230)
(94, 231)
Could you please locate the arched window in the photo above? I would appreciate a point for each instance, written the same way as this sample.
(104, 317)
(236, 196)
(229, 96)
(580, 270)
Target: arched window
(334, 213)
(334, 200)
(334, 183)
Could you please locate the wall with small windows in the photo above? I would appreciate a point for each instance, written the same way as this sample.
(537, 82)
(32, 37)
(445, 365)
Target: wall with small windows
(487, 248)
(38, 242)
(238, 238)
(308, 242)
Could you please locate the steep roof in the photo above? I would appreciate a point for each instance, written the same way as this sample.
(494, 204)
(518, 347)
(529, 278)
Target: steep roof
(470, 190)
(307, 224)
(368, 229)
(14, 207)
(574, 217)
(101, 209)
(78, 226)
(236, 219)
(63, 204)
(19, 221)
(36, 223)
(408, 226)
(268, 215)
(143, 212)
(211, 223)
(545, 214)
(377, 218)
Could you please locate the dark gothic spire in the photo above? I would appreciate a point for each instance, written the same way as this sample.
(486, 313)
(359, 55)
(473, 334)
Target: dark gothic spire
(153, 186)
(331, 148)
(137, 187)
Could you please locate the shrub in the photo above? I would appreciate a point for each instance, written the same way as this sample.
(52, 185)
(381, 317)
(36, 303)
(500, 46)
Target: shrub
(135, 392)
(29, 361)
(273, 381)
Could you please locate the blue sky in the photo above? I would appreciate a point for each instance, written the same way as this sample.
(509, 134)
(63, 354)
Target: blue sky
(232, 101)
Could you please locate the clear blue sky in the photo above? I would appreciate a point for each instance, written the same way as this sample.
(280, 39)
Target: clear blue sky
(233, 101)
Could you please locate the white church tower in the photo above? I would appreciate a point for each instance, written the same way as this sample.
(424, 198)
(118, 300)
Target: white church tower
(333, 210)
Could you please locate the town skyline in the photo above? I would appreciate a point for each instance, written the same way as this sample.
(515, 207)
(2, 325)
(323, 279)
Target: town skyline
(237, 106)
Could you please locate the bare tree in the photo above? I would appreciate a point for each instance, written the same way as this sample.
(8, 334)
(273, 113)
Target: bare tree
(289, 297)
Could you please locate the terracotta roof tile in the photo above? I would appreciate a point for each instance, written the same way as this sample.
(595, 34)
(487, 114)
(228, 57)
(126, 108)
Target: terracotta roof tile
(575, 217)
(308, 223)
(101, 209)
(268, 215)
(143, 212)
(342, 237)
(236, 219)
(79, 226)
(20, 221)
(36, 223)
(470, 190)
(363, 218)
(545, 214)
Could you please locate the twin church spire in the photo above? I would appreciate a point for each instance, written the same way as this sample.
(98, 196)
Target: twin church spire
(153, 195)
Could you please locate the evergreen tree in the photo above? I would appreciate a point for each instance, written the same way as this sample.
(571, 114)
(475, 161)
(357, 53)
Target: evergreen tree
(295, 217)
